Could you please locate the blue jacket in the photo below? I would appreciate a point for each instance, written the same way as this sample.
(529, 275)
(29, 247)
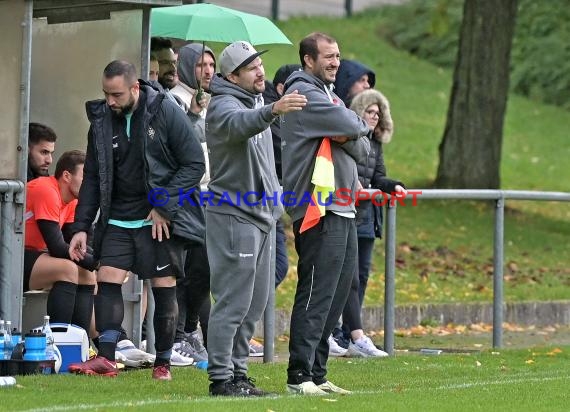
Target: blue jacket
(348, 73)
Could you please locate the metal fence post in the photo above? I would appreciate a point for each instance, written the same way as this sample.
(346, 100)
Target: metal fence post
(390, 277)
(269, 313)
(348, 7)
(498, 253)
(11, 248)
(145, 43)
(275, 9)
(150, 336)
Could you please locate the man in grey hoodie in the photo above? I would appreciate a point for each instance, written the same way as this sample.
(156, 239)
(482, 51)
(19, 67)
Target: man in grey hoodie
(327, 251)
(243, 205)
(196, 67)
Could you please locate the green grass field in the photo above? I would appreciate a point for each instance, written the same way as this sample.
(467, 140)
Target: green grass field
(506, 380)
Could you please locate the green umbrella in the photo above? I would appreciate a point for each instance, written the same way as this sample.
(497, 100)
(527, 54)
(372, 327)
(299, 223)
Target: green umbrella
(208, 22)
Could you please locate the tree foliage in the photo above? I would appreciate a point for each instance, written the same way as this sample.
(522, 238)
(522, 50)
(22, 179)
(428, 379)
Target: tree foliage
(540, 60)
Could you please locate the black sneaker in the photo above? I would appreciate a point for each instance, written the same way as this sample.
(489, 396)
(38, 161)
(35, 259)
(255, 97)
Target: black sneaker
(245, 383)
(228, 388)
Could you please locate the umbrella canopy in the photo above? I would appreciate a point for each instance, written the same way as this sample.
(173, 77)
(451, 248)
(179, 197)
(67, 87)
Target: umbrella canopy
(208, 22)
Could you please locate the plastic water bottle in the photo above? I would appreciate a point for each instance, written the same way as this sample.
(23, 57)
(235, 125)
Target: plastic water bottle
(2, 332)
(46, 329)
(7, 381)
(8, 346)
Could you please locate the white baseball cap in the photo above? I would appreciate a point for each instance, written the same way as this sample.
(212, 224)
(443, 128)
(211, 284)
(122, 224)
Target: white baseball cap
(237, 55)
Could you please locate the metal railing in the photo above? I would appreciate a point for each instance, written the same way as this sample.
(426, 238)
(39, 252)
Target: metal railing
(499, 196)
(11, 247)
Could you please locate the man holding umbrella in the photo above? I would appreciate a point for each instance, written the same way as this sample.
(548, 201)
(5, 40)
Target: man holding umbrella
(241, 212)
(196, 66)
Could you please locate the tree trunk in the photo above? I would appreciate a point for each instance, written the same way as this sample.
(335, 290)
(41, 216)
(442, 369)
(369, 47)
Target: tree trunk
(470, 151)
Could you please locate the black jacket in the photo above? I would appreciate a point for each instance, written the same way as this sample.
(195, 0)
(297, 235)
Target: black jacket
(173, 159)
(372, 175)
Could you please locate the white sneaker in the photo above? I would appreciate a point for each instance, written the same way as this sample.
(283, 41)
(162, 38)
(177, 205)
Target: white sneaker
(120, 360)
(255, 349)
(133, 357)
(364, 348)
(178, 359)
(330, 387)
(335, 349)
(193, 347)
(305, 388)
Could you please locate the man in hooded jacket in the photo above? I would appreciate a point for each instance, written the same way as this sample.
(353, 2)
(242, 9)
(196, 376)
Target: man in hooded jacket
(327, 251)
(241, 212)
(142, 168)
(352, 78)
(196, 67)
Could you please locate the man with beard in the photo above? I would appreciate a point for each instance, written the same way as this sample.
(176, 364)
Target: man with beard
(161, 49)
(241, 215)
(50, 205)
(142, 164)
(196, 66)
(327, 247)
(41, 145)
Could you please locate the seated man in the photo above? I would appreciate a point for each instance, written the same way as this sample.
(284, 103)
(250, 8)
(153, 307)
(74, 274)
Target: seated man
(41, 145)
(50, 208)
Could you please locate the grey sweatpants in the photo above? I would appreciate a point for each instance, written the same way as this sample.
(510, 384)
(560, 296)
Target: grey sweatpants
(239, 254)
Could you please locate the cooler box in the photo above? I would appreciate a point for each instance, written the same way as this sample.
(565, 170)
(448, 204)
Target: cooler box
(72, 342)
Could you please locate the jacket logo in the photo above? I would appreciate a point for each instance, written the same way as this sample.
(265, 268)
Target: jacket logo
(151, 132)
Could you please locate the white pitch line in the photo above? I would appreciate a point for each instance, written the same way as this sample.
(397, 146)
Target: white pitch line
(86, 406)
(386, 388)
(501, 382)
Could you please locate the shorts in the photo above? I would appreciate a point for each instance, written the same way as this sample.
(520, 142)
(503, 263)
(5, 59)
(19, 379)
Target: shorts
(135, 250)
(30, 257)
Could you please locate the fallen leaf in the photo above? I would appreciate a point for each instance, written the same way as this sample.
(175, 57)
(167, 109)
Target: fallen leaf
(477, 363)
(512, 267)
(529, 361)
(405, 248)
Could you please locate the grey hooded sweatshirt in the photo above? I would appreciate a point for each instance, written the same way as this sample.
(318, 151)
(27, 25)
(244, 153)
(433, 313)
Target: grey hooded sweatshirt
(241, 155)
(302, 132)
(188, 57)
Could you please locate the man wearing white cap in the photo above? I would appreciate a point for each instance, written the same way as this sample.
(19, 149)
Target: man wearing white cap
(241, 211)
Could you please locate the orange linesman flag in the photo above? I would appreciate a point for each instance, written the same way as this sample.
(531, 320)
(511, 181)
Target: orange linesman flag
(323, 179)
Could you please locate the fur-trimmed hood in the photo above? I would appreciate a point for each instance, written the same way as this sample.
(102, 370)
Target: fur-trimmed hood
(385, 129)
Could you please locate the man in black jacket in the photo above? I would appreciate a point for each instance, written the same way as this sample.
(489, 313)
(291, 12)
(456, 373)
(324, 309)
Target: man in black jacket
(142, 169)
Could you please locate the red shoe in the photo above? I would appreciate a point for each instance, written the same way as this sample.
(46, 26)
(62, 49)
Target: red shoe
(97, 366)
(162, 373)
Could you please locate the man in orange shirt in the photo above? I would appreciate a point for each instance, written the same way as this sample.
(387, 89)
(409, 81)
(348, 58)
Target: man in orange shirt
(50, 209)
(41, 145)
